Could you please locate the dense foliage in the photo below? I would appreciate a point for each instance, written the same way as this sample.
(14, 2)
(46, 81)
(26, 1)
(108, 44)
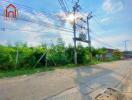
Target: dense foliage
(21, 56)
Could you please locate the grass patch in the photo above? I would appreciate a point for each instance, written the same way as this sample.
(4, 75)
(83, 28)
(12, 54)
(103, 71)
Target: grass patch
(24, 71)
(29, 71)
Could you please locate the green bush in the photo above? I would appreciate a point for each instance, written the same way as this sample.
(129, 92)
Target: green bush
(56, 55)
(6, 58)
(83, 55)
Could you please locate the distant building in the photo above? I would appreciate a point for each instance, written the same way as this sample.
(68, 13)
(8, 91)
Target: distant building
(127, 54)
(109, 54)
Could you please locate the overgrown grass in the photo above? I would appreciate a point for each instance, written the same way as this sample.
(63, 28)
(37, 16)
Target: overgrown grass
(29, 71)
(24, 71)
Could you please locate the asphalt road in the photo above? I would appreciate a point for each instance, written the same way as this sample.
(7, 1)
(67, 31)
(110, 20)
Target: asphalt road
(83, 83)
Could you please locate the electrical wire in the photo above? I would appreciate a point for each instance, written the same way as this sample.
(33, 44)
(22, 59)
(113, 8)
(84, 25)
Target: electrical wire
(34, 13)
(49, 15)
(99, 24)
(50, 26)
(96, 39)
(32, 9)
(101, 42)
(66, 5)
(44, 24)
(63, 6)
(58, 26)
(15, 29)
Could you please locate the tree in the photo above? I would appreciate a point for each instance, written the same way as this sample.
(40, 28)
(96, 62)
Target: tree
(117, 54)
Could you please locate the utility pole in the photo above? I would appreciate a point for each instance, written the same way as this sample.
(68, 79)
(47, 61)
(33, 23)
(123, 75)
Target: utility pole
(17, 54)
(89, 38)
(75, 8)
(125, 45)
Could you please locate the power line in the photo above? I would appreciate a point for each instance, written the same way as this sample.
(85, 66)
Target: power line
(56, 26)
(64, 6)
(99, 36)
(99, 24)
(95, 35)
(44, 12)
(95, 19)
(82, 36)
(15, 29)
(125, 45)
(32, 9)
(45, 24)
(102, 42)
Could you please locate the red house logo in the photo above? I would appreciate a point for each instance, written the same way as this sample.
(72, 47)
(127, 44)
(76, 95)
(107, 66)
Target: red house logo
(11, 11)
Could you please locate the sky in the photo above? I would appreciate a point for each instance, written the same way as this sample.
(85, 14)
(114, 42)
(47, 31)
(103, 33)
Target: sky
(39, 22)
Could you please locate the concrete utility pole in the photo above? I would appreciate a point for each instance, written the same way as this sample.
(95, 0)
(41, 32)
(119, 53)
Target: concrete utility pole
(75, 8)
(89, 38)
(125, 45)
(17, 54)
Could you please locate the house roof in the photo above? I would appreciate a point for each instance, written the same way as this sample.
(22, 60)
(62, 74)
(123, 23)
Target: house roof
(110, 50)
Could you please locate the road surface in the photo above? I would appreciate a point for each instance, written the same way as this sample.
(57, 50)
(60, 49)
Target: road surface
(83, 83)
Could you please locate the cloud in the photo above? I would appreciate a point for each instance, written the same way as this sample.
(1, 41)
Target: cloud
(69, 18)
(3, 42)
(112, 6)
(44, 34)
(36, 17)
(106, 20)
(118, 39)
(32, 28)
(114, 40)
(35, 34)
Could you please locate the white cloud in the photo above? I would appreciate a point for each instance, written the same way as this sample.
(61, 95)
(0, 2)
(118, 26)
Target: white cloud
(117, 40)
(37, 17)
(3, 42)
(114, 40)
(112, 6)
(35, 34)
(40, 29)
(106, 20)
(67, 37)
(44, 33)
